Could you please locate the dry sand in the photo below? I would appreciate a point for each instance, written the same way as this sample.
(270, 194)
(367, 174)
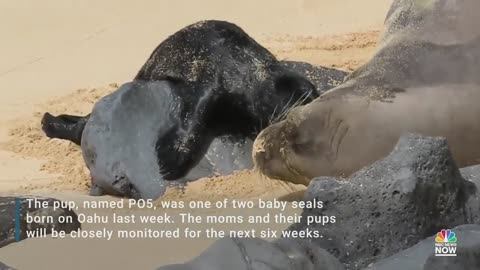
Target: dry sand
(63, 55)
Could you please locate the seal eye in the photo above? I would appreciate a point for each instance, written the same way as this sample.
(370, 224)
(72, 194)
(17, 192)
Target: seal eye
(308, 148)
(297, 89)
(305, 146)
(286, 84)
(305, 143)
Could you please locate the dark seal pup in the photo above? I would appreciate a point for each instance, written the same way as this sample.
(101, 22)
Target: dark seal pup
(209, 80)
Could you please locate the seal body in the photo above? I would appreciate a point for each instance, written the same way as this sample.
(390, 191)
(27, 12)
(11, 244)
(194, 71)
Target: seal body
(193, 110)
(118, 141)
(417, 82)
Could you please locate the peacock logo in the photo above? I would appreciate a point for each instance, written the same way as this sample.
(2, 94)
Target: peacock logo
(446, 236)
(446, 243)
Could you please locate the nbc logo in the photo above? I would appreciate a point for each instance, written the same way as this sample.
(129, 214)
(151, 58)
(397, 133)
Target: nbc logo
(446, 243)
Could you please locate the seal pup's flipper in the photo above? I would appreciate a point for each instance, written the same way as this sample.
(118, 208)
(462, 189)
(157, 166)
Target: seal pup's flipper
(66, 127)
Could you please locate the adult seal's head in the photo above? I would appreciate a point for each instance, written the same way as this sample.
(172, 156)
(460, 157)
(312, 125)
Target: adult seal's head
(304, 144)
(413, 84)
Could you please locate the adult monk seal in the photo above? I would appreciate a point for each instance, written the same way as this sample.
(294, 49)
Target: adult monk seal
(209, 82)
(423, 79)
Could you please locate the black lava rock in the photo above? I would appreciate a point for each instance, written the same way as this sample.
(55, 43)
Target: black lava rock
(306, 255)
(257, 254)
(5, 267)
(393, 204)
(422, 257)
(472, 174)
(8, 218)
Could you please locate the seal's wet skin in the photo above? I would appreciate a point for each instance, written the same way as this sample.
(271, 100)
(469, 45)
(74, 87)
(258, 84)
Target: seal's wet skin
(208, 81)
(417, 82)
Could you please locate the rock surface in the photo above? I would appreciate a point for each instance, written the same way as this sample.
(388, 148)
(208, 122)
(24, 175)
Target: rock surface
(472, 206)
(393, 204)
(5, 267)
(253, 254)
(8, 218)
(422, 257)
(383, 213)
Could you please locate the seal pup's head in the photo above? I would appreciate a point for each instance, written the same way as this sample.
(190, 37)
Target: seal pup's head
(274, 99)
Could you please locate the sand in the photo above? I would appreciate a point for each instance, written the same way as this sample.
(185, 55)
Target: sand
(62, 56)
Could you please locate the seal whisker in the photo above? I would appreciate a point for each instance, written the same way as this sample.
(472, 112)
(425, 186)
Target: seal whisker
(288, 109)
(264, 178)
(284, 110)
(301, 100)
(285, 107)
(287, 186)
(272, 116)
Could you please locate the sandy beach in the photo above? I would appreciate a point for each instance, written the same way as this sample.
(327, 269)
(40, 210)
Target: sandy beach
(62, 56)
